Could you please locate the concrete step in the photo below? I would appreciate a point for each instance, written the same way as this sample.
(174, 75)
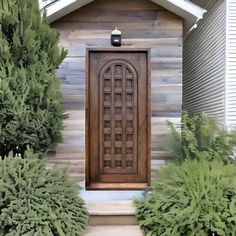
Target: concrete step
(111, 213)
(125, 230)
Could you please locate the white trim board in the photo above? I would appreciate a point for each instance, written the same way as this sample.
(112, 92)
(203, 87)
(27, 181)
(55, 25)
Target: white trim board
(190, 12)
(60, 8)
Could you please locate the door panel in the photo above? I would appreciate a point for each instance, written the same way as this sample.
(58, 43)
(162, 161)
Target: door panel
(118, 120)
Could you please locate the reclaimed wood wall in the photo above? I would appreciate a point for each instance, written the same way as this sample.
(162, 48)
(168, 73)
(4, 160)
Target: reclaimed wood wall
(143, 25)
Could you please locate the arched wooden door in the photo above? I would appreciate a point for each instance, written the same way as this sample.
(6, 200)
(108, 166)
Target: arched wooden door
(118, 120)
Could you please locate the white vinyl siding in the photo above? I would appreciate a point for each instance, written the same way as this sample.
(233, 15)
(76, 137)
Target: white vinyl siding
(231, 65)
(204, 63)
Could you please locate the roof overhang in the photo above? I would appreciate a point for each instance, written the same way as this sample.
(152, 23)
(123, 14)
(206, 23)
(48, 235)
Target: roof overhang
(57, 9)
(190, 12)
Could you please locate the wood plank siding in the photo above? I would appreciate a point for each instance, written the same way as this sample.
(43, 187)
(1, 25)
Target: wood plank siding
(204, 63)
(143, 25)
(231, 65)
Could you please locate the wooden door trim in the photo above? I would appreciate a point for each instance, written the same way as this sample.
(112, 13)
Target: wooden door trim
(119, 186)
(87, 123)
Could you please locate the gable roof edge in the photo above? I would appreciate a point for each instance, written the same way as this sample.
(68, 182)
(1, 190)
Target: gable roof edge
(57, 9)
(190, 12)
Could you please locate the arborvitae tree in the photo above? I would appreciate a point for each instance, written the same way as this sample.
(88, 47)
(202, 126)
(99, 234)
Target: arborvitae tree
(31, 109)
(35, 201)
(197, 198)
(201, 135)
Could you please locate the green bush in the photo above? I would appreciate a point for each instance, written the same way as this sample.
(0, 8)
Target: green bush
(38, 202)
(197, 198)
(31, 111)
(201, 135)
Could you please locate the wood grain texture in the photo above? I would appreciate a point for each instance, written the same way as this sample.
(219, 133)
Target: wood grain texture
(118, 117)
(143, 25)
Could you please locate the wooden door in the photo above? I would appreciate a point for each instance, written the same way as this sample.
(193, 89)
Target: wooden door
(118, 120)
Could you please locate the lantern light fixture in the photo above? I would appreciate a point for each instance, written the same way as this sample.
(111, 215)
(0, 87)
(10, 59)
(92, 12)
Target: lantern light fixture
(116, 38)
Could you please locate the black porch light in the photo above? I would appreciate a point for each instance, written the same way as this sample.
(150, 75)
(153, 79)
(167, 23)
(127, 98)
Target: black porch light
(116, 38)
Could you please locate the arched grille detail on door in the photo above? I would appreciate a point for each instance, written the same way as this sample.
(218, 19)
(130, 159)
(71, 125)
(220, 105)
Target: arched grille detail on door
(118, 112)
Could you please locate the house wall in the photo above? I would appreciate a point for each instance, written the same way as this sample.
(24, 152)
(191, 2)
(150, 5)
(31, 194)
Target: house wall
(204, 62)
(143, 25)
(231, 65)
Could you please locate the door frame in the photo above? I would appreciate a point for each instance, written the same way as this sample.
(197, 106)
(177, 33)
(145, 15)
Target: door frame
(116, 186)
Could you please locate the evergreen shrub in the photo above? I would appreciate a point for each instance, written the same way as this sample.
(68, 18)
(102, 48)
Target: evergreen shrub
(31, 111)
(201, 135)
(35, 201)
(196, 198)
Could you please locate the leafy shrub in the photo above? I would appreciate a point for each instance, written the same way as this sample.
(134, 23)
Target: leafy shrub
(197, 198)
(31, 110)
(201, 135)
(38, 202)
